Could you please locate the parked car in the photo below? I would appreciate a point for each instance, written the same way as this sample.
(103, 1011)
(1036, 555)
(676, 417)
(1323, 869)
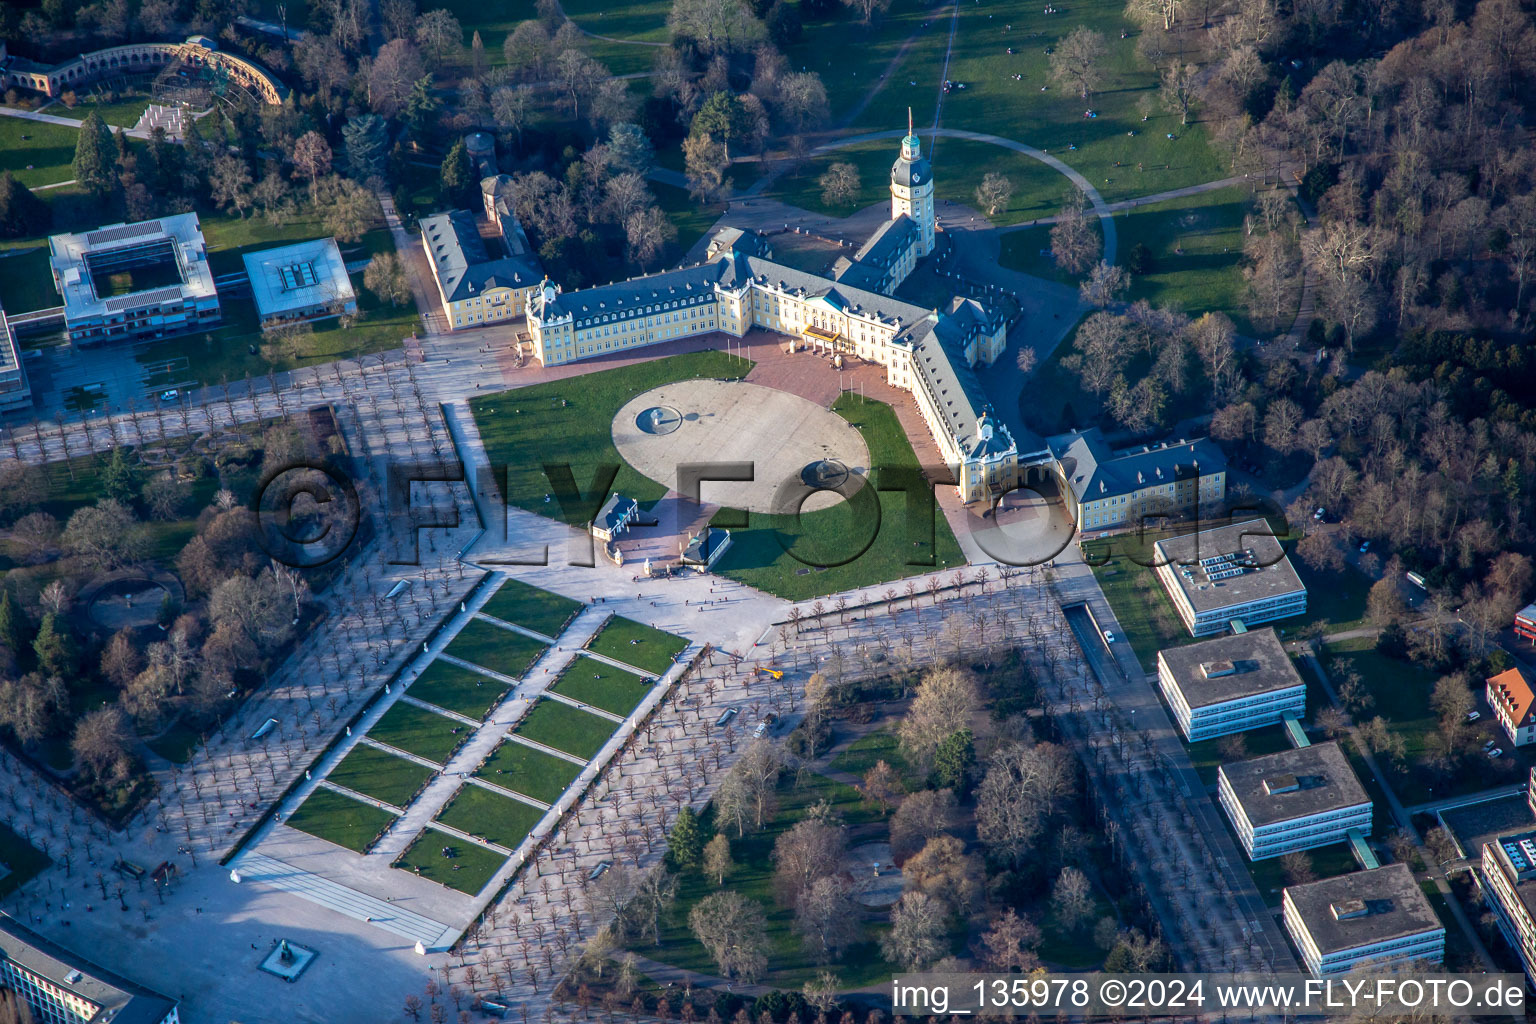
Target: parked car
(1318, 515)
(1109, 636)
(1365, 546)
(1473, 716)
(1496, 752)
(170, 396)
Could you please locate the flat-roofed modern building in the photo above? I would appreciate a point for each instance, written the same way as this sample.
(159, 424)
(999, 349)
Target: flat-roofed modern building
(62, 988)
(1293, 800)
(130, 282)
(1363, 919)
(1230, 684)
(302, 281)
(1229, 573)
(1514, 705)
(1507, 877)
(15, 392)
(1105, 488)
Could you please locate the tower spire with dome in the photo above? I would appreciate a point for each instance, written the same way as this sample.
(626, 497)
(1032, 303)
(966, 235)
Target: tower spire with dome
(912, 188)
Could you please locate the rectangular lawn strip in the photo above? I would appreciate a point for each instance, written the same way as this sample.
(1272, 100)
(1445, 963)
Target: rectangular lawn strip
(1207, 755)
(565, 728)
(458, 689)
(529, 771)
(502, 820)
(421, 732)
(340, 819)
(532, 607)
(381, 775)
(887, 547)
(468, 870)
(601, 685)
(637, 644)
(501, 650)
(517, 425)
(23, 859)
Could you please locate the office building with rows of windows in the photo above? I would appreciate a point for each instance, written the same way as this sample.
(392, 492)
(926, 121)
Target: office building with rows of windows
(1230, 684)
(1507, 877)
(62, 988)
(1293, 800)
(1373, 918)
(1230, 573)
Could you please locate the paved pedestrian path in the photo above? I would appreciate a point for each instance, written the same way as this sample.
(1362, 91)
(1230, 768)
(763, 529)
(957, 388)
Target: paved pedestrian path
(255, 867)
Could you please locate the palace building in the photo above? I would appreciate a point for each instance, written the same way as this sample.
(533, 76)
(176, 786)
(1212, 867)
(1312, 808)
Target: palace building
(932, 353)
(1105, 489)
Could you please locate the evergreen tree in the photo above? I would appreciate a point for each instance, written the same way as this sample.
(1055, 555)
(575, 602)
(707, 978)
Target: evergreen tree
(723, 117)
(95, 160)
(685, 844)
(630, 149)
(21, 212)
(13, 626)
(458, 177)
(54, 647)
(119, 478)
(953, 760)
(421, 109)
(366, 139)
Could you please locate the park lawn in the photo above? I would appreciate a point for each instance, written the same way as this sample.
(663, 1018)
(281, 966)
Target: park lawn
(1029, 250)
(846, 546)
(850, 57)
(601, 685)
(566, 728)
(635, 643)
(1056, 400)
(497, 648)
(1401, 690)
(381, 775)
(531, 607)
(122, 112)
(1146, 617)
(801, 187)
(421, 732)
(529, 771)
(499, 819)
(458, 689)
(177, 743)
(1206, 755)
(23, 860)
(751, 875)
(1054, 120)
(634, 19)
(1073, 948)
(691, 218)
(860, 756)
(37, 152)
(1459, 953)
(1327, 862)
(468, 870)
(339, 819)
(1334, 598)
(576, 417)
(1197, 250)
(26, 280)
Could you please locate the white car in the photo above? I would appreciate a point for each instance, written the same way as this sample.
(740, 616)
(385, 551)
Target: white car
(170, 396)
(1318, 515)
(1496, 752)
(1109, 636)
(1473, 716)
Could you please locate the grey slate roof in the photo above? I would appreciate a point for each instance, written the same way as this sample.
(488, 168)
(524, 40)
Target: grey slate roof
(686, 285)
(889, 241)
(1395, 907)
(907, 173)
(463, 266)
(126, 1002)
(1327, 783)
(1093, 471)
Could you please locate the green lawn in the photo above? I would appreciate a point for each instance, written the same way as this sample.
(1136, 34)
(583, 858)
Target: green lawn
(1401, 690)
(381, 775)
(849, 545)
(601, 685)
(420, 732)
(860, 756)
(341, 820)
(23, 860)
(751, 875)
(635, 643)
(1207, 757)
(499, 819)
(458, 689)
(1197, 248)
(499, 649)
(123, 110)
(37, 152)
(1327, 862)
(26, 281)
(1336, 598)
(691, 218)
(470, 867)
(520, 428)
(532, 608)
(523, 769)
(1029, 250)
(565, 728)
(850, 58)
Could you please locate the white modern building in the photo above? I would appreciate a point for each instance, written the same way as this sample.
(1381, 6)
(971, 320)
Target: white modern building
(62, 988)
(1507, 878)
(302, 281)
(1373, 918)
(1228, 574)
(133, 282)
(15, 392)
(1230, 684)
(1293, 800)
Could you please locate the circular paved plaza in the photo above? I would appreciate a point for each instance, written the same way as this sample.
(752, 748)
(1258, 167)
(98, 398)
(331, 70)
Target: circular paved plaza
(731, 421)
